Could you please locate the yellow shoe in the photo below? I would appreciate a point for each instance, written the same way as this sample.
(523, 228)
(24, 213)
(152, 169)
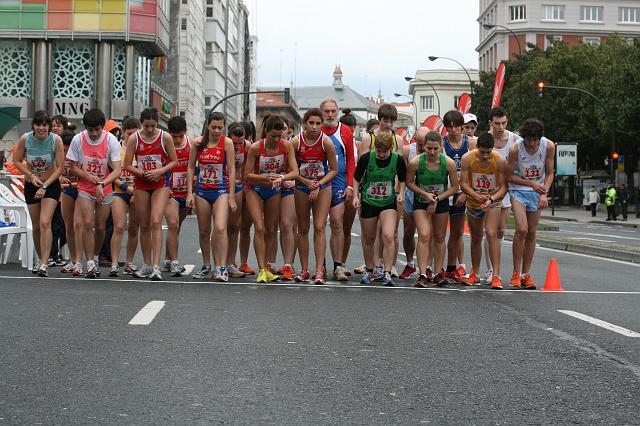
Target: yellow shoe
(270, 276)
(262, 276)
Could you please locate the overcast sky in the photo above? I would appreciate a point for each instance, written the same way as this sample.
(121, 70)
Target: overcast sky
(375, 42)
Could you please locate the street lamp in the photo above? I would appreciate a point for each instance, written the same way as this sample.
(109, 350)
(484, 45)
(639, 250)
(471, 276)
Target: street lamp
(491, 26)
(433, 58)
(409, 79)
(415, 107)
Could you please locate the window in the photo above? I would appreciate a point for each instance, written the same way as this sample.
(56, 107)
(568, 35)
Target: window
(591, 13)
(181, 113)
(456, 100)
(592, 41)
(208, 53)
(518, 13)
(184, 1)
(207, 100)
(552, 12)
(426, 103)
(209, 9)
(183, 24)
(548, 40)
(629, 15)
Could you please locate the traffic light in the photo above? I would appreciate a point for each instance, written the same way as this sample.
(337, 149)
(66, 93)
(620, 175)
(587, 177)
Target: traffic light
(287, 95)
(615, 156)
(541, 89)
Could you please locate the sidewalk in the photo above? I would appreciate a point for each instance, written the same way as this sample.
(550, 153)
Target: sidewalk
(577, 214)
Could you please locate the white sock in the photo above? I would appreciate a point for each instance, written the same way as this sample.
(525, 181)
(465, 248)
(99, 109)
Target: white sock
(487, 258)
(410, 264)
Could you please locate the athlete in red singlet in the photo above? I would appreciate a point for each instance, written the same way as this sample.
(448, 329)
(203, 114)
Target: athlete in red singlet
(155, 155)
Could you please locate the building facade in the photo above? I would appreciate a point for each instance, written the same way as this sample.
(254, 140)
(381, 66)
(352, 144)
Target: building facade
(519, 22)
(437, 91)
(67, 56)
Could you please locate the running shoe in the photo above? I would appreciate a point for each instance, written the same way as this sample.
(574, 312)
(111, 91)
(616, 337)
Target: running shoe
(221, 274)
(496, 282)
(360, 269)
(92, 272)
(43, 271)
(271, 277)
(387, 280)
(407, 272)
(114, 271)
(175, 269)
(340, 274)
(36, 268)
(286, 272)
(50, 262)
(247, 269)
(347, 272)
(486, 277)
(144, 272)
(234, 272)
(528, 283)
(449, 277)
(270, 269)
(204, 272)
(77, 270)
(378, 273)
(422, 281)
(262, 276)
(394, 272)
(516, 280)
(440, 279)
(471, 279)
(166, 265)
(366, 278)
(68, 268)
(459, 273)
(429, 275)
(130, 269)
(156, 274)
(318, 278)
(59, 261)
(302, 277)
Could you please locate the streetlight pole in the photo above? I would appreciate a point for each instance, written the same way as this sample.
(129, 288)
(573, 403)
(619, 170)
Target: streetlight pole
(409, 79)
(491, 26)
(433, 58)
(415, 107)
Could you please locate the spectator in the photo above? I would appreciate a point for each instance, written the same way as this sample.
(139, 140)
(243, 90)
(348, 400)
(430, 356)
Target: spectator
(610, 202)
(623, 199)
(594, 199)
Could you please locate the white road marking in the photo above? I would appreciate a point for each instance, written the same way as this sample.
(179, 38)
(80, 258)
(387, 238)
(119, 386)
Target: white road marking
(600, 323)
(349, 286)
(188, 269)
(165, 227)
(148, 313)
(592, 239)
(354, 235)
(601, 235)
(199, 251)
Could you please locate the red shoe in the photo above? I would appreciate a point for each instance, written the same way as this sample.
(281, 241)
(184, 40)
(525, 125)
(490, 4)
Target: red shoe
(471, 279)
(429, 276)
(516, 280)
(270, 269)
(318, 278)
(408, 271)
(528, 283)
(286, 272)
(303, 276)
(450, 277)
(440, 279)
(247, 269)
(459, 274)
(496, 282)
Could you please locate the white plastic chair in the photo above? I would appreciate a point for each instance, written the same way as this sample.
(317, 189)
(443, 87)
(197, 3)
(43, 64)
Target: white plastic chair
(22, 229)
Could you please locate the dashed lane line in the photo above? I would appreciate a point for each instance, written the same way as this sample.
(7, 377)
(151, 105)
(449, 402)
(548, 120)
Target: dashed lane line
(600, 323)
(147, 313)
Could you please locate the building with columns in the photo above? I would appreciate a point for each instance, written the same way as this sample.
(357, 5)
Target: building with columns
(518, 22)
(67, 56)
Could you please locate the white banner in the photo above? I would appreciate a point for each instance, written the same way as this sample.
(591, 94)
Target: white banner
(566, 159)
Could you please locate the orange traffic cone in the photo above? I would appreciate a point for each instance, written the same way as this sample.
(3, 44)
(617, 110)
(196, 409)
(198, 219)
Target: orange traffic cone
(552, 283)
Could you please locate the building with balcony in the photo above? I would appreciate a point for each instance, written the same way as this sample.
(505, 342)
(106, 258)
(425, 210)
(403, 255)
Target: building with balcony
(518, 23)
(67, 56)
(437, 91)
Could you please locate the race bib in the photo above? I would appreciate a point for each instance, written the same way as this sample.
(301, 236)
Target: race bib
(272, 164)
(380, 190)
(149, 162)
(435, 189)
(239, 158)
(484, 184)
(532, 173)
(95, 166)
(312, 171)
(179, 182)
(38, 164)
(211, 174)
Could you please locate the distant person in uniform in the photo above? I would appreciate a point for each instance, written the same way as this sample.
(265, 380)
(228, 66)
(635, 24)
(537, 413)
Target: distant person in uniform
(610, 202)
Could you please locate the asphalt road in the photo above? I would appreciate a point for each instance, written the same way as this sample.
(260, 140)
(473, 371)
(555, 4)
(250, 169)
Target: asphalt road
(297, 354)
(598, 233)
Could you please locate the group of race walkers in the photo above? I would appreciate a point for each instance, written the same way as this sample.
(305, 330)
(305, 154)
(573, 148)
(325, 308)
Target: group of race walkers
(281, 181)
